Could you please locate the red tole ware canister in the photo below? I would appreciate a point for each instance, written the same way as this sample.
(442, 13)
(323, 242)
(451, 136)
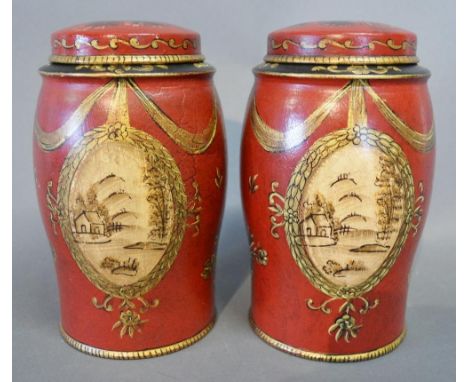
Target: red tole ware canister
(129, 161)
(337, 167)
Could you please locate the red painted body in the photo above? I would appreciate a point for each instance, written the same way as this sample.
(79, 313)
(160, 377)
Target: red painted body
(280, 289)
(186, 299)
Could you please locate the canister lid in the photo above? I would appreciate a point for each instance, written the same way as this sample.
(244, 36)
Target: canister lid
(125, 42)
(342, 42)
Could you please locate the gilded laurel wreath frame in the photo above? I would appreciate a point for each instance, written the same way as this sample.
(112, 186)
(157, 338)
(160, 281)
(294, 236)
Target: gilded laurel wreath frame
(305, 168)
(147, 143)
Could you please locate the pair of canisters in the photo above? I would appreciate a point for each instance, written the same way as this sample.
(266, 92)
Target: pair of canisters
(337, 163)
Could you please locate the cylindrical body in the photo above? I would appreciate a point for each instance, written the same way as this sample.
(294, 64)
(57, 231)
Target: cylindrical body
(337, 167)
(130, 172)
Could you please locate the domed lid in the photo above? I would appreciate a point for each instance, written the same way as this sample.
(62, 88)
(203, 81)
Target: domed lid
(338, 42)
(125, 42)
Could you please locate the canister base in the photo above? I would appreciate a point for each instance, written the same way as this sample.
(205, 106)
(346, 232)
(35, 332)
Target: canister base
(327, 357)
(124, 355)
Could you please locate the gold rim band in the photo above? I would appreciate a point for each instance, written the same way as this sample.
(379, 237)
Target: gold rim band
(127, 355)
(327, 357)
(371, 60)
(149, 59)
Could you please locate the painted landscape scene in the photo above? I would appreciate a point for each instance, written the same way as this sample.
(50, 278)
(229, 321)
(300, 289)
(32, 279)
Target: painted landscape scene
(351, 213)
(121, 212)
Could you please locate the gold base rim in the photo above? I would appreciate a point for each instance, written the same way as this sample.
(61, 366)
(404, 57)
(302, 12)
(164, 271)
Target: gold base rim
(324, 357)
(132, 355)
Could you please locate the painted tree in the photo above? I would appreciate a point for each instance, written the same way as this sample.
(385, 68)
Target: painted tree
(91, 199)
(80, 205)
(103, 212)
(93, 204)
(389, 197)
(329, 210)
(159, 199)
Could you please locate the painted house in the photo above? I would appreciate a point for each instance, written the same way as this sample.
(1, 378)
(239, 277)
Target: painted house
(317, 225)
(89, 222)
